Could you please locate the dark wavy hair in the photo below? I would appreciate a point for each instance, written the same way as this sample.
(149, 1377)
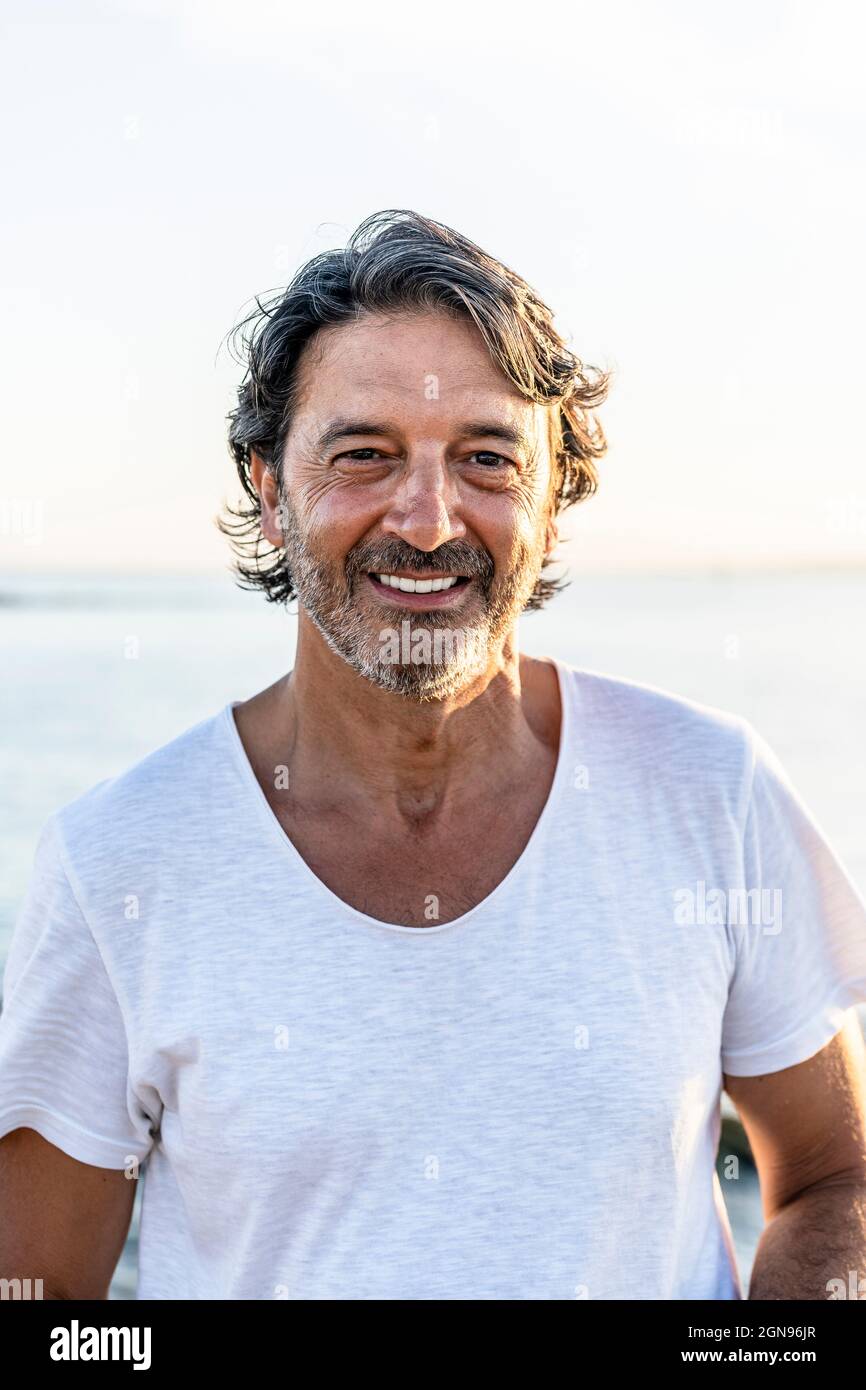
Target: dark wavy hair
(398, 261)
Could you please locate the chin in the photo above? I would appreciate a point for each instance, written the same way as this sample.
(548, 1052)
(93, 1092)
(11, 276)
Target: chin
(419, 682)
(457, 665)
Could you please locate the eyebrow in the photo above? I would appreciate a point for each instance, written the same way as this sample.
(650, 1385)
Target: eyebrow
(342, 428)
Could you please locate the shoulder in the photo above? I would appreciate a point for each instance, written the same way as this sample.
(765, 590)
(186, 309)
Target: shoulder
(150, 804)
(668, 736)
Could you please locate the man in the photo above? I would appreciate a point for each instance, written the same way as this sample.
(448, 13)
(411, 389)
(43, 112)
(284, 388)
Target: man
(420, 973)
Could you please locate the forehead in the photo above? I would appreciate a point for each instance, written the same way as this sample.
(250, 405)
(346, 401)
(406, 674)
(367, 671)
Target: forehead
(430, 362)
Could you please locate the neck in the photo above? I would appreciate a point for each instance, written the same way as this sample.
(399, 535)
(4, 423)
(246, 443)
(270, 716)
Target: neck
(348, 742)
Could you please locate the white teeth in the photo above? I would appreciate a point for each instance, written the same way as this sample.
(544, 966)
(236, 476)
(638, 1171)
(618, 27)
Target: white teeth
(416, 586)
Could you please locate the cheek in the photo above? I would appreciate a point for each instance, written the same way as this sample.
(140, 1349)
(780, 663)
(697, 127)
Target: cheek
(536, 508)
(337, 512)
(508, 522)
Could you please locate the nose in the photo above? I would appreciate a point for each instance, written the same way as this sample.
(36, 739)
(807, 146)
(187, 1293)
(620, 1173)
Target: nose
(424, 509)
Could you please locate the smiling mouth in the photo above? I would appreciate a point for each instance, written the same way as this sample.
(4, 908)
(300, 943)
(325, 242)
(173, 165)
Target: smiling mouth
(426, 585)
(415, 590)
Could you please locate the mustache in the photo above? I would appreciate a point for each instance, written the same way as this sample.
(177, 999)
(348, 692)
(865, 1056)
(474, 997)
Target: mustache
(455, 556)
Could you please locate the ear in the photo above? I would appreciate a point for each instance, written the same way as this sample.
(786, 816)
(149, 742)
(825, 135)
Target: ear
(265, 484)
(554, 436)
(551, 540)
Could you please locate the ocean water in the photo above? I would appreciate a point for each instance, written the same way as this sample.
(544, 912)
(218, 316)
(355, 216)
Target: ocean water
(98, 672)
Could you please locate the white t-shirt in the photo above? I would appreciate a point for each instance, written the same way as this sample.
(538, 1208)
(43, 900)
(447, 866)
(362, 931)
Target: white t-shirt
(519, 1104)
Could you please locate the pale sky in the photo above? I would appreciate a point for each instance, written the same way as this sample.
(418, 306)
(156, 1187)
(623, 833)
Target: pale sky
(684, 183)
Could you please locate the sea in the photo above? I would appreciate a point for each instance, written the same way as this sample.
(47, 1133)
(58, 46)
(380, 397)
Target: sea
(99, 670)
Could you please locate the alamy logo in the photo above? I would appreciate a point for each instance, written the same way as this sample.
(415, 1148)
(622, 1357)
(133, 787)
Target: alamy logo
(421, 646)
(76, 1343)
(734, 907)
(855, 1288)
(24, 1289)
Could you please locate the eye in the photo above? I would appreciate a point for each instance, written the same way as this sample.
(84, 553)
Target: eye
(491, 460)
(355, 454)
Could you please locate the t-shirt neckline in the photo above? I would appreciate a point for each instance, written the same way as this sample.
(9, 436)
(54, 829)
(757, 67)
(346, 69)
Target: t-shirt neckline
(539, 829)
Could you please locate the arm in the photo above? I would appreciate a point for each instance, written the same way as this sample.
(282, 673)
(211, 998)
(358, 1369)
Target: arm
(807, 1128)
(61, 1221)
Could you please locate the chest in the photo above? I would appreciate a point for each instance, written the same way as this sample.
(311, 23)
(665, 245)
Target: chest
(522, 1051)
(573, 1008)
(424, 874)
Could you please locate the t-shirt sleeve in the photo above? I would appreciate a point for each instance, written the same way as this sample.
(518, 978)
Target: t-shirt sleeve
(799, 936)
(63, 1046)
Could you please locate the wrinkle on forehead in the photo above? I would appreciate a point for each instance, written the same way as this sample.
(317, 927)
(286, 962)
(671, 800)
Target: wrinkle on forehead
(339, 344)
(336, 377)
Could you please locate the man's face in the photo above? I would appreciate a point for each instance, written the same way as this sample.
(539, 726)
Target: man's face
(411, 457)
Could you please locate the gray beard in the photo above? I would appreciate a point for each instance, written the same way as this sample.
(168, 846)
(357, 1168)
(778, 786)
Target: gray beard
(452, 664)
